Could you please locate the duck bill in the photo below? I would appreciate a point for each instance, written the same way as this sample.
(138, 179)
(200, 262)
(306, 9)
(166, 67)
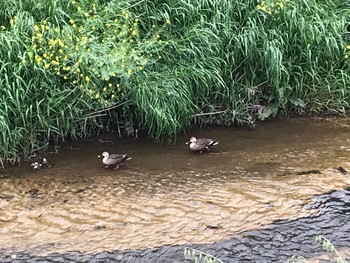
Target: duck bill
(187, 142)
(99, 156)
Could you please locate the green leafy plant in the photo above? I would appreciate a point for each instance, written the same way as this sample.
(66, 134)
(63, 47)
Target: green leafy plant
(326, 245)
(72, 67)
(198, 256)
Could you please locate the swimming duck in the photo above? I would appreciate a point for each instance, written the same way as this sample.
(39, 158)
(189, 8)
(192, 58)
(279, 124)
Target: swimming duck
(113, 160)
(201, 144)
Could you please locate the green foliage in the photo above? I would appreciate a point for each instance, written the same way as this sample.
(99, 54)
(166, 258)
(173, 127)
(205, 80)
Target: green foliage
(326, 245)
(198, 256)
(31, 104)
(61, 71)
(170, 64)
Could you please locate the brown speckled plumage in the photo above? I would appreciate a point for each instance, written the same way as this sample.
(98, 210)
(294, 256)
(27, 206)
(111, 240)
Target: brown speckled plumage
(114, 160)
(201, 144)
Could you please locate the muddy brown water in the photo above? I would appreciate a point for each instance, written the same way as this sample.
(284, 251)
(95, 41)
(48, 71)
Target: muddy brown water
(167, 195)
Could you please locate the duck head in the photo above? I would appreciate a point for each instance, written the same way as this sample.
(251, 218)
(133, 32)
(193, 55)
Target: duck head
(104, 154)
(192, 140)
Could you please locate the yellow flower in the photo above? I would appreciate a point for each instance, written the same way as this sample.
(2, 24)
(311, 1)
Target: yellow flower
(47, 65)
(346, 56)
(38, 59)
(129, 71)
(97, 96)
(112, 96)
(104, 89)
(348, 46)
(168, 21)
(36, 28)
(87, 78)
(110, 85)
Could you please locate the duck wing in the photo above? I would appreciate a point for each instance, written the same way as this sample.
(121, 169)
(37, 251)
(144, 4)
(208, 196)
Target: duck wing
(204, 142)
(116, 159)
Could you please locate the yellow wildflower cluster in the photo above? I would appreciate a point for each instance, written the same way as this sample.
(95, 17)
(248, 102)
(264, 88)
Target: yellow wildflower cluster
(13, 21)
(347, 52)
(97, 50)
(271, 6)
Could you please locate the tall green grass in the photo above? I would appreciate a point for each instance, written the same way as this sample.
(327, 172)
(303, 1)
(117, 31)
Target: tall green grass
(171, 64)
(252, 63)
(35, 106)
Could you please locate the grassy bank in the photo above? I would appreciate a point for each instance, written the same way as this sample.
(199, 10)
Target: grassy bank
(74, 68)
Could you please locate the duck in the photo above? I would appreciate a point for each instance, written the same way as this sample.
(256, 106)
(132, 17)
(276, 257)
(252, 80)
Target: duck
(201, 144)
(113, 160)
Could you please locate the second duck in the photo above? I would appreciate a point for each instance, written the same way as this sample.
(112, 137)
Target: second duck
(113, 160)
(201, 144)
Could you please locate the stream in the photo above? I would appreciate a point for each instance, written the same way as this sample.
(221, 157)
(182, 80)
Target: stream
(261, 195)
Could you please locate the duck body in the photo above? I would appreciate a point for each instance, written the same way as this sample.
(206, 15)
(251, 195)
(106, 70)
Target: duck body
(201, 144)
(114, 160)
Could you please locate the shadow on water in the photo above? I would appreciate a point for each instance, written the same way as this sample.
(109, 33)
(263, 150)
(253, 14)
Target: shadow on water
(261, 196)
(277, 242)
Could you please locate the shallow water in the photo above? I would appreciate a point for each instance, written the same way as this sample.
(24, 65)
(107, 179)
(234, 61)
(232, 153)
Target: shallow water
(167, 195)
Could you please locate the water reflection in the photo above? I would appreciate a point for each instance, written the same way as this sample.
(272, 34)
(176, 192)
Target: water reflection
(170, 196)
